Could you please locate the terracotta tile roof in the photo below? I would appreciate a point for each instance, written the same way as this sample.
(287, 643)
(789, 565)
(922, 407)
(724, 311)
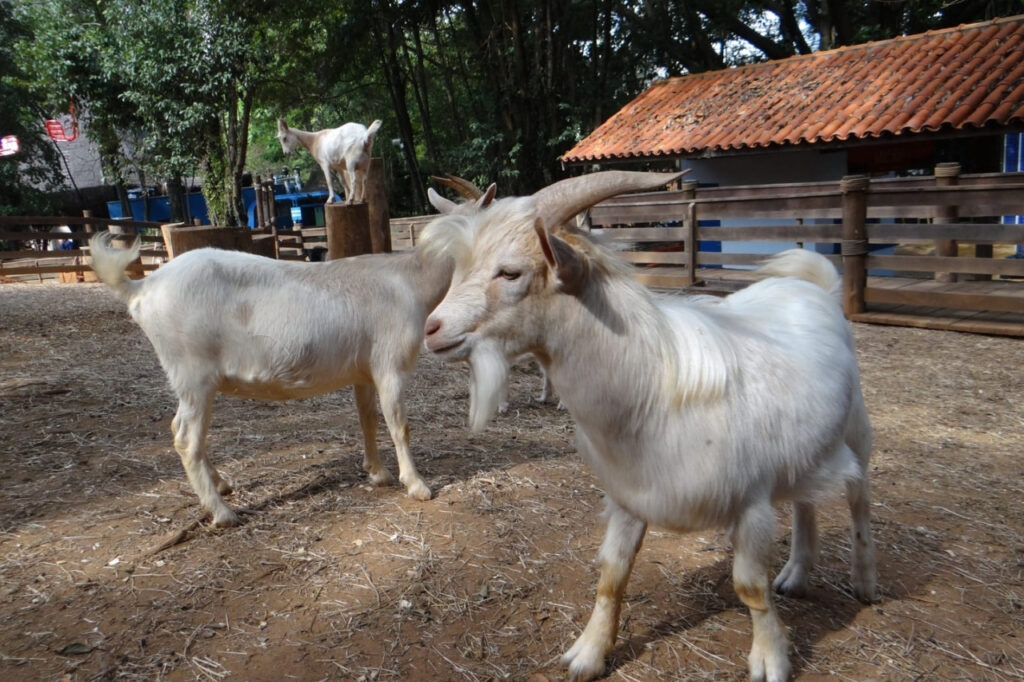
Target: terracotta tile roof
(962, 78)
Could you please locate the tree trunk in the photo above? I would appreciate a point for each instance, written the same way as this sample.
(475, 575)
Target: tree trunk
(176, 199)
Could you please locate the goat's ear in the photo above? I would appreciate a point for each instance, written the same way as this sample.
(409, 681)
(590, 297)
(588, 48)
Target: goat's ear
(281, 125)
(568, 264)
(442, 205)
(488, 196)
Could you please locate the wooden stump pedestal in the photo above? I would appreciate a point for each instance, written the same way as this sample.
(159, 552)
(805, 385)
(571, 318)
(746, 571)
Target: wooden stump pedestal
(348, 230)
(178, 238)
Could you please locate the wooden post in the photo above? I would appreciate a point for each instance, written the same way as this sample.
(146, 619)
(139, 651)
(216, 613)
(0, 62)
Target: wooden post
(690, 245)
(855, 242)
(257, 189)
(125, 231)
(269, 209)
(946, 175)
(348, 230)
(90, 228)
(377, 200)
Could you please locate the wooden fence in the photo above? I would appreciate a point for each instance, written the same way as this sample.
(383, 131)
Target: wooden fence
(912, 250)
(25, 252)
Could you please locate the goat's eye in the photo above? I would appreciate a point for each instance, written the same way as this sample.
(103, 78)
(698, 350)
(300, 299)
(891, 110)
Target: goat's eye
(510, 275)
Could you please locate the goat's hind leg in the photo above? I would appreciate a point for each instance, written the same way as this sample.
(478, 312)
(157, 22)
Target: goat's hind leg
(863, 571)
(367, 405)
(190, 426)
(348, 184)
(330, 183)
(359, 184)
(753, 538)
(792, 579)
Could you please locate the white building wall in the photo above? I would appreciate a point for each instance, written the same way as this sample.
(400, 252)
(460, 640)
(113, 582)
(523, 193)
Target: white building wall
(762, 169)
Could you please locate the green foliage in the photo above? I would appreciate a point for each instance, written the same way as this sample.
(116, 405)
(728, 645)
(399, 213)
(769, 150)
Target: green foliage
(487, 89)
(25, 177)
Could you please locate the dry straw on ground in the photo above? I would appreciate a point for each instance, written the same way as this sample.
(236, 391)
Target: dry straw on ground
(108, 573)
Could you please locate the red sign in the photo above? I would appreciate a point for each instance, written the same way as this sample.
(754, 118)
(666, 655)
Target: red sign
(55, 129)
(9, 145)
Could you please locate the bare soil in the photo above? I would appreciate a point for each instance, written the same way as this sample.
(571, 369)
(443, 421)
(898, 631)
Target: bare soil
(108, 572)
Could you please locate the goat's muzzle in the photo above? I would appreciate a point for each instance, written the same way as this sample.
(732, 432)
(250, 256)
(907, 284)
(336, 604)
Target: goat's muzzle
(437, 342)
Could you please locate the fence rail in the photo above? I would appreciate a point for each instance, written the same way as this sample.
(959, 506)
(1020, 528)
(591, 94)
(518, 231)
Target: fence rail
(25, 241)
(926, 242)
(935, 242)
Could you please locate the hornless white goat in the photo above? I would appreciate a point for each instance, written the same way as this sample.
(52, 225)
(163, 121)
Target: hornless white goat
(240, 324)
(693, 413)
(345, 149)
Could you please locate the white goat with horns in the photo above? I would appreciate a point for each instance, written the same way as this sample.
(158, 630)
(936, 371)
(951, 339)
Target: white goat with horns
(244, 325)
(693, 412)
(345, 149)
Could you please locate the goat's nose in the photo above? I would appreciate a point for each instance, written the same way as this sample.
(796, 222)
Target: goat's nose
(433, 326)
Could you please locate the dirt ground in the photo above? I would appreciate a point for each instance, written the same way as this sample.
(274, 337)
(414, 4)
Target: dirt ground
(329, 579)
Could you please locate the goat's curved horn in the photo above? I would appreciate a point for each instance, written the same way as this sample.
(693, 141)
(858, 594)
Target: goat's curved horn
(559, 202)
(464, 187)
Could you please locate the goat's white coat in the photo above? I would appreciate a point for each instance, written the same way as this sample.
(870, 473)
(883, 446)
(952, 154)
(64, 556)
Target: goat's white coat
(345, 149)
(240, 324)
(693, 412)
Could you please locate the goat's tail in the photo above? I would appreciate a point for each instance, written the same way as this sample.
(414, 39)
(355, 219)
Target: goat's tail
(109, 263)
(806, 265)
(371, 133)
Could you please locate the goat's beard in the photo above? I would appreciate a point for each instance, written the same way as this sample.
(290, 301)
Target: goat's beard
(488, 375)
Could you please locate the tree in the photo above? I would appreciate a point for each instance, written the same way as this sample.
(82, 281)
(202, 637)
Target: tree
(493, 90)
(68, 58)
(25, 177)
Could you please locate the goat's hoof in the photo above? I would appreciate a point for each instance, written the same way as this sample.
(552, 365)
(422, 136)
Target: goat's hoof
(419, 491)
(381, 478)
(768, 664)
(865, 591)
(791, 581)
(585, 661)
(225, 518)
(224, 488)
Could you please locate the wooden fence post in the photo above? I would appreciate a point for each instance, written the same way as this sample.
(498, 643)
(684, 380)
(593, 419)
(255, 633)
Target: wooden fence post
(854, 189)
(377, 200)
(89, 228)
(266, 196)
(690, 245)
(257, 188)
(348, 230)
(946, 175)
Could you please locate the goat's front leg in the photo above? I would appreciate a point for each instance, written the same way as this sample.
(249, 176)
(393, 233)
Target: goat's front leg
(190, 426)
(753, 537)
(622, 540)
(367, 405)
(390, 390)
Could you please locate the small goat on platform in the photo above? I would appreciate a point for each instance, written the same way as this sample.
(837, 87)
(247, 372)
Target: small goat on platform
(346, 149)
(244, 325)
(693, 412)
